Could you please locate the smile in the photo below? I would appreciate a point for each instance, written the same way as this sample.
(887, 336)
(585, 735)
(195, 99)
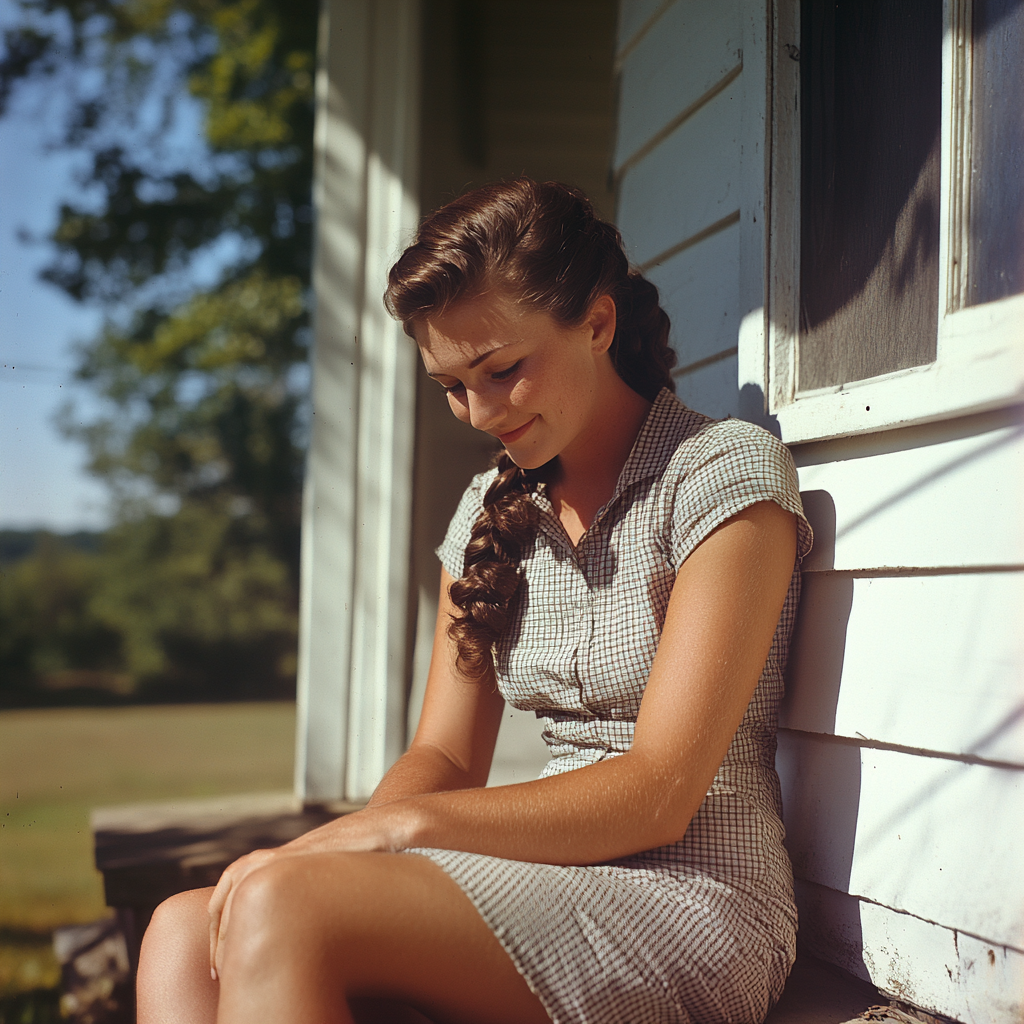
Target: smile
(513, 435)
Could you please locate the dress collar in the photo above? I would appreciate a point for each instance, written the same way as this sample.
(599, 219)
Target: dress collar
(654, 444)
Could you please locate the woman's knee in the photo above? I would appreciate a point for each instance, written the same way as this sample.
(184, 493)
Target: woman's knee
(174, 963)
(265, 910)
(181, 919)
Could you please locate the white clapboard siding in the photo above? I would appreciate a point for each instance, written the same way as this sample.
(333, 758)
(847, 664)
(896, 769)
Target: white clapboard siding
(636, 16)
(956, 503)
(687, 183)
(658, 83)
(930, 836)
(711, 389)
(699, 289)
(932, 662)
(916, 961)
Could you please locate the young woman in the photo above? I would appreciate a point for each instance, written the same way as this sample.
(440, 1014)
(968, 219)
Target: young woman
(628, 571)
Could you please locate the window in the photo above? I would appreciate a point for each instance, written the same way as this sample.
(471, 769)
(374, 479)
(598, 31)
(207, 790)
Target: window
(897, 286)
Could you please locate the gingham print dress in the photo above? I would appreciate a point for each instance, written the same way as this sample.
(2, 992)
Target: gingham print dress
(701, 930)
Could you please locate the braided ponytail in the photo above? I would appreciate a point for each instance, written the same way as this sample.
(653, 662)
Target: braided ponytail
(544, 245)
(491, 578)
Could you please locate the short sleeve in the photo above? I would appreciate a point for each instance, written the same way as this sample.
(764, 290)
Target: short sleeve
(452, 551)
(732, 465)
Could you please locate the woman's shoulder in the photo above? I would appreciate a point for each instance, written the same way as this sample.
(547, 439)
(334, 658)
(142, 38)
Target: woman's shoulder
(696, 439)
(453, 549)
(719, 468)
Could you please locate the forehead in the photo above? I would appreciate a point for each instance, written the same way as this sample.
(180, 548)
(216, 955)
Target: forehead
(470, 330)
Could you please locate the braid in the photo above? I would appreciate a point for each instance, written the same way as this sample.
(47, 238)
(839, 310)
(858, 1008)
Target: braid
(640, 352)
(491, 578)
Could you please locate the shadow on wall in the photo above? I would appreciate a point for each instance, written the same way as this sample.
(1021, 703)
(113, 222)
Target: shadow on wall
(820, 777)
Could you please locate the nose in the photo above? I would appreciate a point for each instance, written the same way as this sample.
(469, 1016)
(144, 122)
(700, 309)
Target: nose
(485, 409)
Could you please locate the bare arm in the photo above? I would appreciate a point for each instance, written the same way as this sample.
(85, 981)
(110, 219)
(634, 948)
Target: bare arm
(457, 730)
(721, 618)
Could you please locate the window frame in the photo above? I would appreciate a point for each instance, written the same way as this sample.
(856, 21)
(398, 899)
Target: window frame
(979, 361)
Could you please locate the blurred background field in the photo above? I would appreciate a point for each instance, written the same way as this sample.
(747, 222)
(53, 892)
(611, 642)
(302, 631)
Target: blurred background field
(56, 764)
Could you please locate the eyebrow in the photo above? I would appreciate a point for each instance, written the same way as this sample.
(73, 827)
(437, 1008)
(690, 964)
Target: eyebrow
(476, 362)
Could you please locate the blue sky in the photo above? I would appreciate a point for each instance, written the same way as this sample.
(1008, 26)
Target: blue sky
(42, 476)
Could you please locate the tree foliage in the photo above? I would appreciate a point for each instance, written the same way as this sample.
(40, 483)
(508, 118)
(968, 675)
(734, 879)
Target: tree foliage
(192, 229)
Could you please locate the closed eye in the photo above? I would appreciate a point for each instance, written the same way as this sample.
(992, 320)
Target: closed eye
(505, 374)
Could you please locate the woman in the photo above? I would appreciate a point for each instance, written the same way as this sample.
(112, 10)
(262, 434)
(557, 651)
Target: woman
(627, 571)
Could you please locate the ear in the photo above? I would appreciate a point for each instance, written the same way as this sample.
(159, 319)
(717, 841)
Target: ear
(601, 320)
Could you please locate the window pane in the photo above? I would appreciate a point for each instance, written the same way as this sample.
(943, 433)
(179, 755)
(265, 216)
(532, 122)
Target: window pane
(995, 259)
(871, 93)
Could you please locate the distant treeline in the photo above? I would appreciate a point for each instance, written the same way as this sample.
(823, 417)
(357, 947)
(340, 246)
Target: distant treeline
(198, 385)
(161, 609)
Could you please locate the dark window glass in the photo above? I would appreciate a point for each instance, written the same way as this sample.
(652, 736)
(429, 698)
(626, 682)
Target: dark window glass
(995, 260)
(871, 94)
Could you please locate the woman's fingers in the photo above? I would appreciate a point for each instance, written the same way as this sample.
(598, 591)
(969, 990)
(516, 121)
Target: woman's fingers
(216, 912)
(219, 907)
(372, 829)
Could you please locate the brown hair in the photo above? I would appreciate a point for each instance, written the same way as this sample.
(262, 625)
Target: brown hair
(543, 244)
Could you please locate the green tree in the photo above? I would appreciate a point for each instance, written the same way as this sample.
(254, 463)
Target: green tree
(200, 254)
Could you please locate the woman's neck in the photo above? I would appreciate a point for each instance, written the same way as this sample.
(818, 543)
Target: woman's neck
(585, 475)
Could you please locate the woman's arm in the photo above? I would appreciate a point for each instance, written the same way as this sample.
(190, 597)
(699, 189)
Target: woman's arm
(457, 730)
(719, 626)
(718, 630)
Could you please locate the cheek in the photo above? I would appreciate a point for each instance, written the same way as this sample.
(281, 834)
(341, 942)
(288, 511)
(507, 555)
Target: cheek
(523, 392)
(458, 405)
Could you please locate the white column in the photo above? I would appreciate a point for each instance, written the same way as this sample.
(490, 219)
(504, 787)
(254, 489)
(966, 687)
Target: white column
(356, 516)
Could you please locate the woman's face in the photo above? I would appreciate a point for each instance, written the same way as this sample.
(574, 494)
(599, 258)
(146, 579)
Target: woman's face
(519, 375)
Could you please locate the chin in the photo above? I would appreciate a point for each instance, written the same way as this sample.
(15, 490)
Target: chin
(527, 460)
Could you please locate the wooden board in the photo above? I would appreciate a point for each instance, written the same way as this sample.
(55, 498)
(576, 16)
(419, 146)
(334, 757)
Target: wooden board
(687, 183)
(916, 961)
(635, 15)
(930, 661)
(657, 84)
(711, 390)
(928, 836)
(952, 503)
(699, 290)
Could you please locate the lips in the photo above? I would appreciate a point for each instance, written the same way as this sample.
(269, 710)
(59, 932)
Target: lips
(513, 435)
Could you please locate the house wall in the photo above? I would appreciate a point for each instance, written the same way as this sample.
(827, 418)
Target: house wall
(902, 739)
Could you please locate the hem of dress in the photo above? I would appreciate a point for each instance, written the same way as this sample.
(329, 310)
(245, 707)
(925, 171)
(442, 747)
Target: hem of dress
(422, 851)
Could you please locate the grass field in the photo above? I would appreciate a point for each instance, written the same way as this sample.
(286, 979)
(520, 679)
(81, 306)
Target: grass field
(57, 764)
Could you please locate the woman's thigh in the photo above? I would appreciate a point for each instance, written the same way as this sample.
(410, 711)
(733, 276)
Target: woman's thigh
(306, 934)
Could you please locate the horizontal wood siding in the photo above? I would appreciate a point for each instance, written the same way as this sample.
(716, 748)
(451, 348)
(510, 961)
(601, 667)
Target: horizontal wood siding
(917, 961)
(658, 84)
(913, 833)
(636, 18)
(711, 389)
(902, 748)
(699, 289)
(931, 662)
(691, 180)
(951, 503)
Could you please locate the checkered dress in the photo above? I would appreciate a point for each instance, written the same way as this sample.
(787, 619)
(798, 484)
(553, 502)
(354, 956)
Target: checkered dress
(701, 930)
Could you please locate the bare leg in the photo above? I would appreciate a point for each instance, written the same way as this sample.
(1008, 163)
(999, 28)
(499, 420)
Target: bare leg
(323, 937)
(174, 982)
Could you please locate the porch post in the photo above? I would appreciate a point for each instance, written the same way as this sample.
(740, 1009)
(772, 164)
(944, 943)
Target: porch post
(357, 500)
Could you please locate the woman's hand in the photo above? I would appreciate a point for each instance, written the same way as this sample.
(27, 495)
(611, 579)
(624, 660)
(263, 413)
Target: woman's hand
(387, 828)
